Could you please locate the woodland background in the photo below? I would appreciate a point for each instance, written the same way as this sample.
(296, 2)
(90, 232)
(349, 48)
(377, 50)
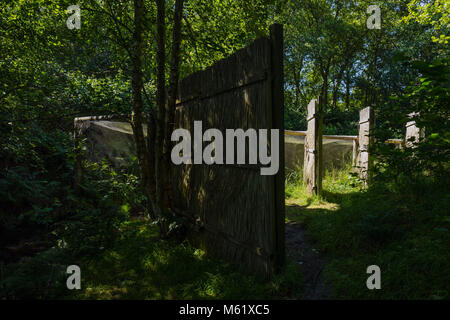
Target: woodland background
(120, 61)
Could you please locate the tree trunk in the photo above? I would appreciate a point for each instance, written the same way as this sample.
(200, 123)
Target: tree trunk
(166, 113)
(347, 89)
(297, 88)
(137, 118)
(160, 171)
(172, 94)
(324, 93)
(336, 87)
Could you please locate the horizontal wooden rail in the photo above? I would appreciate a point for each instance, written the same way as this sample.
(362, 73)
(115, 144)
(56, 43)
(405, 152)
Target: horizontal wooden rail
(286, 132)
(295, 133)
(340, 137)
(303, 133)
(394, 141)
(111, 117)
(336, 137)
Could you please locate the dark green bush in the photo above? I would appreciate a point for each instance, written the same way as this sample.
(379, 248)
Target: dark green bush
(429, 99)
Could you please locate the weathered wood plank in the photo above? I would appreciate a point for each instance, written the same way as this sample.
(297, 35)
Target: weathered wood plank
(311, 172)
(413, 132)
(364, 160)
(277, 82)
(238, 212)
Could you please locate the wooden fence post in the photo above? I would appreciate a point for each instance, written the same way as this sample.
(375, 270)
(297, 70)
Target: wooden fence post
(79, 128)
(277, 52)
(320, 113)
(312, 175)
(413, 132)
(364, 160)
(355, 153)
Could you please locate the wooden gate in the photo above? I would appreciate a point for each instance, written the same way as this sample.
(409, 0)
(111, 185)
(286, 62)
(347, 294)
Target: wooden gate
(236, 213)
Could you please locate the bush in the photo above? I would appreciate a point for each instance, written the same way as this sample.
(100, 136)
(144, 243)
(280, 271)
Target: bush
(430, 156)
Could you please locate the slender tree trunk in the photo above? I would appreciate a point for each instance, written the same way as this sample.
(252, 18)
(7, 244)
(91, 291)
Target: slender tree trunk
(347, 95)
(297, 89)
(334, 95)
(336, 87)
(166, 112)
(137, 118)
(325, 73)
(172, 94)
(324, 94)
(161, 176)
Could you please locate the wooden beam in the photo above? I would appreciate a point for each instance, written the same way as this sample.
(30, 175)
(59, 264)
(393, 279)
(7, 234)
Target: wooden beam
(277, 55)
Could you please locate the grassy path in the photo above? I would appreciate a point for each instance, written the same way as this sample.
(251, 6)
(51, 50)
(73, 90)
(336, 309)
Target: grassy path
(404, 234)
(330, 242)
(299, 207)
(299, 248)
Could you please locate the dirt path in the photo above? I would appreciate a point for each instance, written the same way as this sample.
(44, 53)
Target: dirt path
(298, 247)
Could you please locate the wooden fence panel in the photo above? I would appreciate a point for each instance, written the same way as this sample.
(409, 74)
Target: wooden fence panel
(237, 213)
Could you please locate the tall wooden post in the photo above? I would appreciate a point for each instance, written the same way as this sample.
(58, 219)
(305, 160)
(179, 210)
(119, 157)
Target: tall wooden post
(413, 132)
(277, 94)
(312, 175)
(319, 146)
(80, 127)
(355, 152)
(364, 160)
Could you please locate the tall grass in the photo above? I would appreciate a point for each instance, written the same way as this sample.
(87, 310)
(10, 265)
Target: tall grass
(336, 180)
(404, 232)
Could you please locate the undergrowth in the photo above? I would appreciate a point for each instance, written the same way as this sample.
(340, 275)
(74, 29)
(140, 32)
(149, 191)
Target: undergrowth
(404, 230)
(106, 233)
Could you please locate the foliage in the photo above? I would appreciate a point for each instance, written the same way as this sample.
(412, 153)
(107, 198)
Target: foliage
(427, 103)
(35, 180)
(138, 265)
(406, 237)
(39, 277)
(90, 225)
(433, 13)
(50, 74)
(93, 219)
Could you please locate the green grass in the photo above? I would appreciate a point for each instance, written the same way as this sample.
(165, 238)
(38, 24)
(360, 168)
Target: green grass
(404, 233)
(138, 265)
(123, 258)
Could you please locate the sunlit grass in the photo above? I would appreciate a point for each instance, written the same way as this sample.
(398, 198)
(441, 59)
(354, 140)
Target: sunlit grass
(336, 183)
(141, 266)
(354, 228)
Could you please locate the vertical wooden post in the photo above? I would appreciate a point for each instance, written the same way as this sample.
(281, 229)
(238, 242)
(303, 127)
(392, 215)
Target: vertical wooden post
(355, 152)
(319, 146)
(413, 132)
(80, 127)
(277, 54)
(364, 160)
(312, 163)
